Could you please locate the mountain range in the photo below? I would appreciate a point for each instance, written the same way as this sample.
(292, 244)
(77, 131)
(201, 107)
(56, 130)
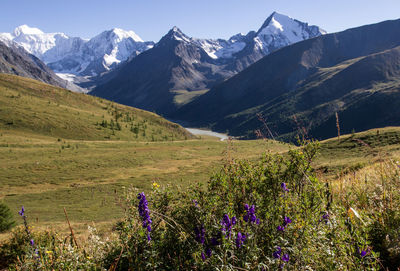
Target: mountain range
(78, 59)
(179, 68)
(354, 73)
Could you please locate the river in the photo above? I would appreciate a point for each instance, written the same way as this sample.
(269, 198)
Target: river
(200, 132)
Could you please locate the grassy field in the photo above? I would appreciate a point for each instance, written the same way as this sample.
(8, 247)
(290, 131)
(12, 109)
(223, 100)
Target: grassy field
(88, 177)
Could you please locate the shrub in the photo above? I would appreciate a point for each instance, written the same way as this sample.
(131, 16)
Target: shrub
(6, 218)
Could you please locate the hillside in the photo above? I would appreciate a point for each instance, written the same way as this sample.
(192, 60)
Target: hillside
(354, 73)
(30, 106)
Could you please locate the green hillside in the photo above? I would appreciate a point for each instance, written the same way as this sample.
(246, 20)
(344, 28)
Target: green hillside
(30, 106)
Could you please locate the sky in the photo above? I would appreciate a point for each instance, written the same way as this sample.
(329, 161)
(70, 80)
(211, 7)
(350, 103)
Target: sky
(151, 19)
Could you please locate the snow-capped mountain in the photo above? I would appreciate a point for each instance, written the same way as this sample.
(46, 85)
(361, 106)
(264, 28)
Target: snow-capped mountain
(280, 30)
(180, 68)
(277, 31)
(77, 56)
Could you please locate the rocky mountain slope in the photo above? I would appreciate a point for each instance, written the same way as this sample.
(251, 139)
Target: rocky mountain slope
(354, 73)
(178, 68)
(15, 60)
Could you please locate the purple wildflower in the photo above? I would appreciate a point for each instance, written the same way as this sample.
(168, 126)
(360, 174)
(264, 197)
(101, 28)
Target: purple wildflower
(285, 258)
(200, 233)
(196, 204)
(280, 228)
(284, 187)
(363, 252)
(208, 252)
(286, 221)
(215, 241)
(277, 253)
(32, 242)
(22, 212)
(227, 224)
(203, 256)
(240, 239)
(144, 213)
(250, 214)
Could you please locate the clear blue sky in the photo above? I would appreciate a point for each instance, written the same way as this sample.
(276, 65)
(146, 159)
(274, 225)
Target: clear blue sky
(151, 19)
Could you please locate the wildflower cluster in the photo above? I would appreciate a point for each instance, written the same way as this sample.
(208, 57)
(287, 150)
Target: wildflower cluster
(250, 214)
(286, 222)
(240, 238)
(227, 224)
(200, 233)
(144, 214)
(278, 255)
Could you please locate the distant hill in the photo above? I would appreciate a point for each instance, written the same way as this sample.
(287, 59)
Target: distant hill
(355, 73)
(30, 106)
(178, 69)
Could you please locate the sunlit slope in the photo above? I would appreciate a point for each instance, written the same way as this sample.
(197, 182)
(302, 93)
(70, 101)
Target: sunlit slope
(31, 106)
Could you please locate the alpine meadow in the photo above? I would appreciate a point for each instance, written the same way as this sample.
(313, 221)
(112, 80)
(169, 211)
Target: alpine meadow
(275, 149)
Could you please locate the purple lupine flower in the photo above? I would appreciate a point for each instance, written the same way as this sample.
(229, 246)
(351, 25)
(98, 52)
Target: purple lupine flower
(285, 258)
(363, 253)
(144, 213)
(284, 187)
(208, 252)
(277, 253)
(280, 228)
(22, 212)
(32, 242)
(240, 238)
(200, 233)
(203, 256)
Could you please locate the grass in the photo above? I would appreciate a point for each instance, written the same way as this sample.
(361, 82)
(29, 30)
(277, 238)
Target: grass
(89, 176)
(30, 106)
(356, 151)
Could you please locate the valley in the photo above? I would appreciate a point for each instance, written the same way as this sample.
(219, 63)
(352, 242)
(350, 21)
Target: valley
(273, 150)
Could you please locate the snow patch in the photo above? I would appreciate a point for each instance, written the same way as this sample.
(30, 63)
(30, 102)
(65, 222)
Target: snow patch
(67, 76)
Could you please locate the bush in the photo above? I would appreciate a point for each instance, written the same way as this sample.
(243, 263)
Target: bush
(270, 215)
(6, 218)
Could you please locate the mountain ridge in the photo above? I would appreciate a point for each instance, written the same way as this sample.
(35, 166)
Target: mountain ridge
(187, 67)
(233, 105)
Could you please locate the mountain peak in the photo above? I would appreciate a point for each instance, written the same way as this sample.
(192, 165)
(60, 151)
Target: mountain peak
(176, 34)
(126, 34)
(276, 20)
(24, 29)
